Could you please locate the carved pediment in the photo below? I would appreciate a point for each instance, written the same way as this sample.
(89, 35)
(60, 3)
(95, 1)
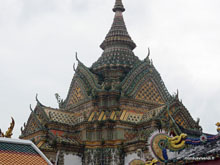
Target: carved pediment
(144, 83)
(181, 116)
(148, 92)
(33, 125)
(76, 94)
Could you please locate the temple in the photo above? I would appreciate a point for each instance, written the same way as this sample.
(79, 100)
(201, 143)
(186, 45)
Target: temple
(112, 110)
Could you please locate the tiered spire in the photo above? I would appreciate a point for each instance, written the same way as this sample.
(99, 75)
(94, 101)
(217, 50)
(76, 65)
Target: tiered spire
(117, 45)
(118, 33)
(118, 6)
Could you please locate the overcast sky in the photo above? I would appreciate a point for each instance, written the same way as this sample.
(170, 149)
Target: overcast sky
(39, 38)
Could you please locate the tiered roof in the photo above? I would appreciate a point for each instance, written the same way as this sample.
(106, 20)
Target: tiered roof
(119, 89)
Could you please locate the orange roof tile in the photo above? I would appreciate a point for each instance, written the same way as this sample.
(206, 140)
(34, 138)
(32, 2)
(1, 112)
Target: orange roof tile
(20, 152)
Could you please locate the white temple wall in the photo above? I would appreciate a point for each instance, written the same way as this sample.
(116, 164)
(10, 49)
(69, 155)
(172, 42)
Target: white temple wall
(70, 159)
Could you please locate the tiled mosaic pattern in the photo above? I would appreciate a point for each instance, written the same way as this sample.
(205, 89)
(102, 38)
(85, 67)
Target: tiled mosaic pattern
(148, 92)
(76, 95)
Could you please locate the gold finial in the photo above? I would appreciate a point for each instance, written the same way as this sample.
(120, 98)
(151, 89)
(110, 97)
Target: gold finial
(9, 133)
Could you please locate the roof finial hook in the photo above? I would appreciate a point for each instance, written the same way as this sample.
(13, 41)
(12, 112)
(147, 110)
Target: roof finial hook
(147, 59)
(36, 97)
(177, 94)
(77, 57)
(148, 54)
(31, 108)
(38, 102)
(74, 67)
(151, 62)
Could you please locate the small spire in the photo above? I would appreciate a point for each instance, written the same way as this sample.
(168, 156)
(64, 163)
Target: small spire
(118, 6)
(118, 33)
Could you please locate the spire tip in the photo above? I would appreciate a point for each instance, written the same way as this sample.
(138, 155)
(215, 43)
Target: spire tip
(118, 6)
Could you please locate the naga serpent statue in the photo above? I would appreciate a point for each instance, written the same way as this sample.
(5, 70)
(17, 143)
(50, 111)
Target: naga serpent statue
(9, 133)
(177, 142)
(161, 142)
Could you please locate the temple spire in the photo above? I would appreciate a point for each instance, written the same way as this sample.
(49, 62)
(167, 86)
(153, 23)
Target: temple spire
(118, 6)
(118, 34)
(117, 45)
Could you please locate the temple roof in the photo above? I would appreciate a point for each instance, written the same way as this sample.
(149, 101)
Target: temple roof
(13, 151)
(117, 44)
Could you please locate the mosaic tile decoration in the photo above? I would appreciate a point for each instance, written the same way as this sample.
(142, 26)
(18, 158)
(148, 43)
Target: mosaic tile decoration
(149, 92)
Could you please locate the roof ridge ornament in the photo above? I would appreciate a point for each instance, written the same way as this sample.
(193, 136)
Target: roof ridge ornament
(31, 108)
(74, 67)
(177, 94)
(8, 133)
(58, 98)
(118, 6)
(38, 102)
(148, 54)
(147, 59)
(77, 57)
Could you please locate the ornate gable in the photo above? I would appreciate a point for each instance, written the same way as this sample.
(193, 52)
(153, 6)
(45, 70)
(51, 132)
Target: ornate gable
(33, 125)
(83, 82)
(90, 80)
(176, 117)
(144, 83)
(76, 93)
(148, 92)
(184, 119)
